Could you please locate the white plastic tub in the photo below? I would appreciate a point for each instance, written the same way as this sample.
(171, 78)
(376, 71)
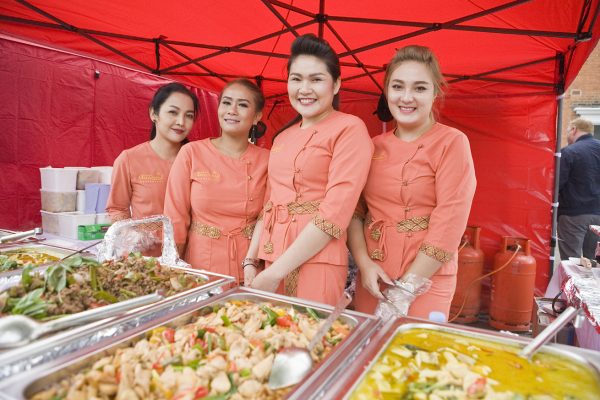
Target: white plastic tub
(68, 223)
(106, 174)
(59, 201)
(49, 222)
(58, 179)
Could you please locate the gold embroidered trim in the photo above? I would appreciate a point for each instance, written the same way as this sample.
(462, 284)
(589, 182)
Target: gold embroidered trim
(358, 217)
(436, 253)
(307, 207)
(290, 283)
(119, 217)
(248, 230)
(414, 224)
(375, 234)
(268, 247)
(328, 227)
(205, 230)
(377, 254)
(215, 233)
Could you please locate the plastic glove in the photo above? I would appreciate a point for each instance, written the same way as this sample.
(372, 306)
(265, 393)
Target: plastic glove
(402, 295)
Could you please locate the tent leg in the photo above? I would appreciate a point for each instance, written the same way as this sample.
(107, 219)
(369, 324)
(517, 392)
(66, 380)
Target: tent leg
(554, 241)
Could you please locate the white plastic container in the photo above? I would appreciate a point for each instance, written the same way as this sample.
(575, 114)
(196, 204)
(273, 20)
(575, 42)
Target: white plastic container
(49, 222)
(58, 179)
(86, 175)
(80, 200)
(59, 201)
(106, 174)
(103, 218)
(68, 223)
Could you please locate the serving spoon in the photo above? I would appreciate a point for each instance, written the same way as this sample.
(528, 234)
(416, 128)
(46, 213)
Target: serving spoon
(18, 330)
(550, 331)
(292, 364)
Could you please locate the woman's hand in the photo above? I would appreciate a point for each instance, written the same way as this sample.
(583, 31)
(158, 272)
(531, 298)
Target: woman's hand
(250, 272)
(267, 280)
(370, 273)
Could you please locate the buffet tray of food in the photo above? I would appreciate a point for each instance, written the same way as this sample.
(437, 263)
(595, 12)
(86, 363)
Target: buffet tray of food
(417, 359)
(83, 284)
(16, 256)
(222, 347)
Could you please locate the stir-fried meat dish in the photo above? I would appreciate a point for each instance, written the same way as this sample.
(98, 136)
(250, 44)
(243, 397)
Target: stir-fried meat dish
(78, 284)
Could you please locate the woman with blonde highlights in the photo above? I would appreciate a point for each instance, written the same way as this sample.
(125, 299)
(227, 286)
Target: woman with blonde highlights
(417, 198)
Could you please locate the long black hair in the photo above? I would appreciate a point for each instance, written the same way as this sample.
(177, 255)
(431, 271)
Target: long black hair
(311, 45)
(162, 94)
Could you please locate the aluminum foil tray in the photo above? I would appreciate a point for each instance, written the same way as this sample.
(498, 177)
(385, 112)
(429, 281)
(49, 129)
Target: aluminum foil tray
(54, 346)
(343, 380)
(129, 330)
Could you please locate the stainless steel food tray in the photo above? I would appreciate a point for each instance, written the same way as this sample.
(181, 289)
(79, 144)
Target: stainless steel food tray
(342, 380)
(13, 277)
(49, 348)
(24, 385)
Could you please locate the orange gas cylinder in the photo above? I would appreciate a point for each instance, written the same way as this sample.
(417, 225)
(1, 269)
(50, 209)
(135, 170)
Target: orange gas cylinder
(513, 285)
(467, 298)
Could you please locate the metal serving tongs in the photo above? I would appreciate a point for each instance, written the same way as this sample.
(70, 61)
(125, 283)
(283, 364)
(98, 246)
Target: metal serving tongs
(20, 235)
(551, 330)
(18, 330)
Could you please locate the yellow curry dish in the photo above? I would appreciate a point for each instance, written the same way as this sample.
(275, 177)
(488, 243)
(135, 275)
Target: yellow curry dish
(224, 354)
(18, 258)
(426, 364)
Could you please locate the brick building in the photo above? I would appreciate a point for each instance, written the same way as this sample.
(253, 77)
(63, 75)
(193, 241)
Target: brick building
(582, 98)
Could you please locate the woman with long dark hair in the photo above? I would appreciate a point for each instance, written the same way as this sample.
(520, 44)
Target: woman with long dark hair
(317, 168)
(217, 185)
(140, 174)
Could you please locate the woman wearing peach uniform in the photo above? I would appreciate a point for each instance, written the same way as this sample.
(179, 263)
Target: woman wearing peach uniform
(217, 186)
(140, 174)
(317, 169)
(417, 197)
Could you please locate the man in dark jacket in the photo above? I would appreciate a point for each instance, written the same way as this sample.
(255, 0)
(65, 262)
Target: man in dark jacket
(579, 191)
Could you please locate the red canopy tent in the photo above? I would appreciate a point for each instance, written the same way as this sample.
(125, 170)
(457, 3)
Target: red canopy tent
(507, 63)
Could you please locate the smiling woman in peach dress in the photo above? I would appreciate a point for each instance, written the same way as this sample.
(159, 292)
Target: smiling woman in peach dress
(217, 186)
(317, 169)
(140, 174)
(416, 200)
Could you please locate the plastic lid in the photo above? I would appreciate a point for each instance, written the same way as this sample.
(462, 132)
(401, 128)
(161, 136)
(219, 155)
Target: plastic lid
(437, 316)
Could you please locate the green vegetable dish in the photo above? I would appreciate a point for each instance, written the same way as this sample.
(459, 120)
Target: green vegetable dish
(78, 284)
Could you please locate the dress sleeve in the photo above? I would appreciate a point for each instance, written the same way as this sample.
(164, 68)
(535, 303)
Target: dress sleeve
(348, 170)
(178, 195)
(454, 188)
(119, 200)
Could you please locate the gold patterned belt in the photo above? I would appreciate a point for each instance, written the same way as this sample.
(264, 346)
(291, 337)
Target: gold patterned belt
(377, 228)
(215, 233)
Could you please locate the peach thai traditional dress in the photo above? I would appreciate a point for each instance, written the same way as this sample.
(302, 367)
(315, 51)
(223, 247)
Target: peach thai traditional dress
(213, 201)
(315, 175)
(139, 181)
(417, 199)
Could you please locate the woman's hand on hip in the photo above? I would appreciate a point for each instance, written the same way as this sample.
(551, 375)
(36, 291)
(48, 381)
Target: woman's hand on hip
(371, 273)
(267, 280)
